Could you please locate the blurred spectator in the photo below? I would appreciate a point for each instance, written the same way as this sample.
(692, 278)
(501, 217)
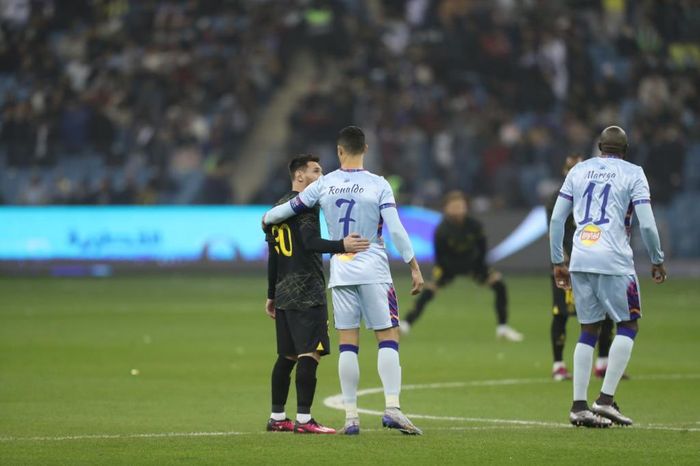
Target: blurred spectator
(482, 96)
(129, 82)
(489, 97)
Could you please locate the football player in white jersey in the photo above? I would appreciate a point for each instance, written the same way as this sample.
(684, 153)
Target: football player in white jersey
(354, 200)
(603, 192)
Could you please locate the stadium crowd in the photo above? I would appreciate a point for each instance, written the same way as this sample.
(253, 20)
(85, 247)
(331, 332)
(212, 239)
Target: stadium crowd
(490, 97)
(147, 96)
(149, 102)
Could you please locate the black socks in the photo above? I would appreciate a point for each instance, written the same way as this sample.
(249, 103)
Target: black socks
(501, 302)
(558, 336)
(606, 337)
(280, 382)
(306, 384)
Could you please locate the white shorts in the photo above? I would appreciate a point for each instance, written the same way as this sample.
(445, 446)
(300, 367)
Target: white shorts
(597, 295)
(376, 304)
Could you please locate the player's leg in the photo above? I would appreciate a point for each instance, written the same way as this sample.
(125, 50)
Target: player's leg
(381, 312)
(347, 314)
(624, 302)
(560, 315)
(494, 280)
(440, 279)
(604, 342)
(590, 314)
(281, 375)
(309, 329)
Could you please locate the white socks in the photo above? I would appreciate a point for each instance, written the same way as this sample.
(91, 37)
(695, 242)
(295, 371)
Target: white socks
(583, 363)
(619, 356)
(278, 416)
(349, 374)
(388, 366)
(389, 369)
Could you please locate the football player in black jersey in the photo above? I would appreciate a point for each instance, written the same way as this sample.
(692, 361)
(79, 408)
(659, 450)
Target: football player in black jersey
(296, 299)
(460, 249)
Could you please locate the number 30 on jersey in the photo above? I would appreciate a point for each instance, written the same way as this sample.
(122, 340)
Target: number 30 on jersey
(283, 239)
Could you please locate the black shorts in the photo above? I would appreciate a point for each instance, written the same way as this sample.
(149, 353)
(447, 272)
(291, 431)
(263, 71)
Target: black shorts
(562, 300)
(301, 332)
(443, 276)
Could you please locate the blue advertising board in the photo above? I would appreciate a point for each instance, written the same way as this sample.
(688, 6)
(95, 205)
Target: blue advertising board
(185, 234)
(162, 233)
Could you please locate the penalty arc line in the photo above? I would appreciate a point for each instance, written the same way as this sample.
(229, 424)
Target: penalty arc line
(336, 401)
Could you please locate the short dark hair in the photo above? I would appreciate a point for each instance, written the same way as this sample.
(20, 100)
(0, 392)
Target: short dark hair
(299, 163)
(352, 139)
(453, 196)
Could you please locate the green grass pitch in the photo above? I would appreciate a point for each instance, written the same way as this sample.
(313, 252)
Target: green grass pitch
(204, 349)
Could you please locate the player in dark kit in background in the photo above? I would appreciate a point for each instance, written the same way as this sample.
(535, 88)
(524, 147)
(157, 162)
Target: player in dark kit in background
(460, 249)
(296, 299)
(563, 303)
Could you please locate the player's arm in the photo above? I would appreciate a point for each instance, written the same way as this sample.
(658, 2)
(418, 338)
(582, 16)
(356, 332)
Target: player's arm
(480, 246)
(641, 199)
(440, 246)
(271, 280)
(312, 241)
(404, 246)
(387, 209)
(305, 200)
(561, 211)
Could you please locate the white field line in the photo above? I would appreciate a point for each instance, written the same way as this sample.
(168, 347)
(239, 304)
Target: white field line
(124, 436)
(336, 402)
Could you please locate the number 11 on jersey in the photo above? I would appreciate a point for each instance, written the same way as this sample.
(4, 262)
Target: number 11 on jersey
(588, 195)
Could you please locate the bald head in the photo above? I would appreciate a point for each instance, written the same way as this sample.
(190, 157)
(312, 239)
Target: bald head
(613, 140)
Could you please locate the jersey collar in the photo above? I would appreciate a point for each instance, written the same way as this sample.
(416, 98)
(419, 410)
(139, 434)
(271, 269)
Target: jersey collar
(610, 156)
(350, 170)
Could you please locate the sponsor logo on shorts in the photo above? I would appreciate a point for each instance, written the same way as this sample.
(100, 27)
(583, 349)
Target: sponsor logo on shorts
(346, 257)
(590, 235)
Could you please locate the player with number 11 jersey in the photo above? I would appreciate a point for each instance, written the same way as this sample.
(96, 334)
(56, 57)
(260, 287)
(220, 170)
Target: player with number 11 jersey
(603, 193)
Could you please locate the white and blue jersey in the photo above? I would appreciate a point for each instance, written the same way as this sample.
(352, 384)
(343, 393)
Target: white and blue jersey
(605, 192)
(354, 201)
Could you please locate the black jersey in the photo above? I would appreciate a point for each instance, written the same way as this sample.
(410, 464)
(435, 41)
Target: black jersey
(295, 268)
(460, 246)
(569, 226)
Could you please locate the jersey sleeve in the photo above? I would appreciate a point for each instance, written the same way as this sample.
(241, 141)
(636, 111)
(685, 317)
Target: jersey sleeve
(567, 188)
(305, 200)
(310, 230)
(440, 245)
(561, 211)
(481, 246)
(640, 189)
(398, 233)
(650, 235)
(271, 270)
(309, 196)
(386, 196)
